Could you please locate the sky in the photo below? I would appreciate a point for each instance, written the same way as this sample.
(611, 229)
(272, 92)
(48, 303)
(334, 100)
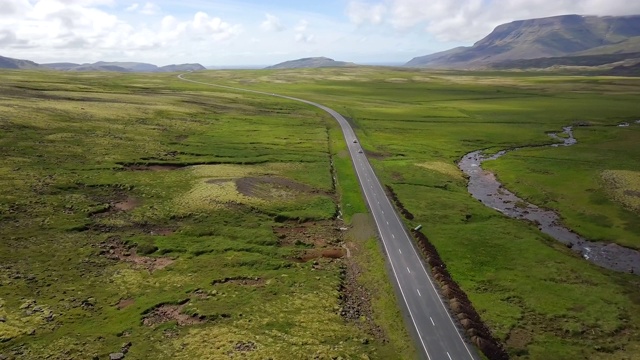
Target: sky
(263, 32)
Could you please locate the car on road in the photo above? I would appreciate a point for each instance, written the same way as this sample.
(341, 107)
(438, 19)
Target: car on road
(360, 151)
(355, 141)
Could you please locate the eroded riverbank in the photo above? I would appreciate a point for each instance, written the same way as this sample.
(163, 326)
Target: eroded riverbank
(484, 186)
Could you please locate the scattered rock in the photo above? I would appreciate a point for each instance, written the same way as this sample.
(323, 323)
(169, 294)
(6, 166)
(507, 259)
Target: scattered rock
(116, 356)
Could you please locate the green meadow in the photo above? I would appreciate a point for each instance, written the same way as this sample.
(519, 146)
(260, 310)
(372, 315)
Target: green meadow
(179, 220)
(145, 215)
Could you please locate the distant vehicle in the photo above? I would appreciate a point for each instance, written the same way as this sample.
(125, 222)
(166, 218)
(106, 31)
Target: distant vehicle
(360, 151)
(355, 141)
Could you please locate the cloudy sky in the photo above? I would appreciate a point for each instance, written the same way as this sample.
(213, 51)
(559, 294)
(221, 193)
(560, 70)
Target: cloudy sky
(262, 32)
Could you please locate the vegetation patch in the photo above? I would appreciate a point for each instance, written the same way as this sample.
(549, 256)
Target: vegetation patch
(623, 186)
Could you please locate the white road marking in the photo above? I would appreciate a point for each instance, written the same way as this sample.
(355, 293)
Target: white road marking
(393, 236)
(421, 296)
(408, 270)
(433, 322)
(400, 251)
(387, 223)
(449, 356)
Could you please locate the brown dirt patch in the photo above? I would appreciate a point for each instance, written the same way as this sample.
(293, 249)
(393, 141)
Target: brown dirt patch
(115, 249)
(125, 303)
(127, 204)
(316, 233)
(377, 155)
(519, 338)
(269, 187)
(166, 313)
(355, 302)
(330, 253)
(241, 280)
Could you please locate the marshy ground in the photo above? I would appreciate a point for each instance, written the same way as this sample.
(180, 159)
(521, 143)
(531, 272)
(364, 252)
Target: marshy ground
(145, 215)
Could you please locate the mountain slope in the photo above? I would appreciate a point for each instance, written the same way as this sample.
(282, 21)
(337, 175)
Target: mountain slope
(313, 62)
(538, 38)
(9, 63)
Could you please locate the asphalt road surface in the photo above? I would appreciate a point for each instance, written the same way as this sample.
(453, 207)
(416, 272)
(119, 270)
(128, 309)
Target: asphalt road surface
(436, 334)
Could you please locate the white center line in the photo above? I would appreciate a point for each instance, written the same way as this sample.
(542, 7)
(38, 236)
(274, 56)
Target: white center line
(400, 251)
(449, 356)
(408, 270)
(387, 223)
(393, 236)
(419, 293)
(434, 324)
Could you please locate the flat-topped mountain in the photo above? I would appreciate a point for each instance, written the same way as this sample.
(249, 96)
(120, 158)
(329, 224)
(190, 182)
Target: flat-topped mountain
(9, 63)
(312, 62)
(556, 36)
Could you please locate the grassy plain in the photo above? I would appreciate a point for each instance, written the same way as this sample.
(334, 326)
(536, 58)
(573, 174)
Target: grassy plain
(539, 298)
(140, 213)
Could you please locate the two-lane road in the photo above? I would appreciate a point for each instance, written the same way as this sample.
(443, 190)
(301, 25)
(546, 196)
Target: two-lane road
(434, 329)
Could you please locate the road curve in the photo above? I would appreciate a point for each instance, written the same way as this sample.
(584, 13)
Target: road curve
(430, 322)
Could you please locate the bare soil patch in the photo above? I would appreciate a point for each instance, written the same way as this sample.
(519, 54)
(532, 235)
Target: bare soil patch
(330, 253)
(167, 312)
(519, 338)
(316, 234)
(115, 249)
(127, 204)
(125, 303)
(269, 187)
(355, 301)
(377, 155)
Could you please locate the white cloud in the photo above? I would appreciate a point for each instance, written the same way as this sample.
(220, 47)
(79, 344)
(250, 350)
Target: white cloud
(360, 12)
(132, 7)
(150, 9)
(467, 20)
(271, 23)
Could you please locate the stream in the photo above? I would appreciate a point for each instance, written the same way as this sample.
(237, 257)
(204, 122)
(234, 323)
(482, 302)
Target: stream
(484, 186)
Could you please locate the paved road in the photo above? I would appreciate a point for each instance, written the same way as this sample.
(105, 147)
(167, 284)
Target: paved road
(438, 338)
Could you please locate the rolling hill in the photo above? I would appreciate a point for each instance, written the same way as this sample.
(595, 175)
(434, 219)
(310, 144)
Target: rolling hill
(9, 63)
(313, 62)
(558, 36)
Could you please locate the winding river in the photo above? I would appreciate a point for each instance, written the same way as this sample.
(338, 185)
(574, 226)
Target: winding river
(484, 186)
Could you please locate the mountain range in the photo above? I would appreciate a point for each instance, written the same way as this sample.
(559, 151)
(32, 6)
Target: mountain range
(553, 37)
(9, 63)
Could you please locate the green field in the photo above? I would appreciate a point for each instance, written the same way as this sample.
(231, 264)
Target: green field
(213, 268)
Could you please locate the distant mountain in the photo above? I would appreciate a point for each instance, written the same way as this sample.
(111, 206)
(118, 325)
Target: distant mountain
(556, 36)
(9, 63)
(123, 67)
(313, 62)
(182, 67)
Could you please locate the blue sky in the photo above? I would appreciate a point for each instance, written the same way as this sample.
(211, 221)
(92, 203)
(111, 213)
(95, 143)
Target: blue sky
(252, 32)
